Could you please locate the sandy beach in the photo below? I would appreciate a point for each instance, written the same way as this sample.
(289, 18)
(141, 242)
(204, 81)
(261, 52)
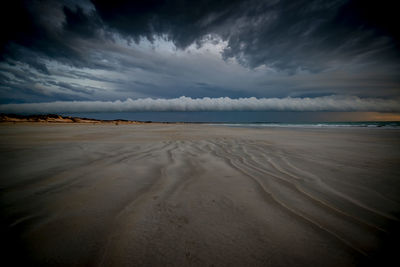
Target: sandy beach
(198, 195)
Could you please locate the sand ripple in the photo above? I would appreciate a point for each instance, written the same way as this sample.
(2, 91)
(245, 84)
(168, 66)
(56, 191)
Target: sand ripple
(196, 195)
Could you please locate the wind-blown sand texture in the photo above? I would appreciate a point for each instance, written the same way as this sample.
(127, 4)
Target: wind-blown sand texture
(198, 195)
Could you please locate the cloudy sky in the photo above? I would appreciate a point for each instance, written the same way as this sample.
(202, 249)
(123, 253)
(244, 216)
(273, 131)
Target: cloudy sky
(264, 55)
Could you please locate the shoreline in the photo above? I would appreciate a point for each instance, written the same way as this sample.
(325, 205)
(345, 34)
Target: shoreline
(55, 118)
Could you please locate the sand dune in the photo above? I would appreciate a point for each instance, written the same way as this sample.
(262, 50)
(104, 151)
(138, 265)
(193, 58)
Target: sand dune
(198, 195)
(54, 118)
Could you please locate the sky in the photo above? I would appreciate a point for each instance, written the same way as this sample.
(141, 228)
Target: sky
(273, 56)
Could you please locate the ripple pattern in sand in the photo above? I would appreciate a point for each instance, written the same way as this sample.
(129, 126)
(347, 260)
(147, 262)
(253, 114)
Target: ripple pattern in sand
(224, 201)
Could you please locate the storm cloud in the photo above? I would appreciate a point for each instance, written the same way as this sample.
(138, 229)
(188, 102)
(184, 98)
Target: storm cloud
(329, 103)
(63, 50)
(285, 34)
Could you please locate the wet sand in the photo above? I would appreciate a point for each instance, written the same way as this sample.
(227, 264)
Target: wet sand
(198, 195)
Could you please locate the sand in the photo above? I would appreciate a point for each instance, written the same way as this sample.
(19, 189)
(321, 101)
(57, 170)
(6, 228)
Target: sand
(198, 195)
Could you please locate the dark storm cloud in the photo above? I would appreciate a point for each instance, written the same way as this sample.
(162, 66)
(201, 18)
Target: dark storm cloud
(312, 35)
(21, 83)
(184, 22)
(78, 22)
(49, 29)
(286, 34)
(72, 87)
(78, 49)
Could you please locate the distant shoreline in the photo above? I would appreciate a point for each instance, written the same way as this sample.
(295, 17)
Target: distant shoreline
(62, 119)
(55, 118)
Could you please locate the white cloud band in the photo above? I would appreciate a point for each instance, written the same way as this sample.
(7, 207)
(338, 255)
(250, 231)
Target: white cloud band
(326, 103)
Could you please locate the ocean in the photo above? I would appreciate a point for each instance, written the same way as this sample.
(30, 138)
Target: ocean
(247, 118)
(358, 124)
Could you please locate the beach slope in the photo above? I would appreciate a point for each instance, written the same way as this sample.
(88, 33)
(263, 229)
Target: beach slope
(198, 195)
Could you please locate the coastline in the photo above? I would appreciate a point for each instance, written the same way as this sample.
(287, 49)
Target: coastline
(60, 119)
(55, 118)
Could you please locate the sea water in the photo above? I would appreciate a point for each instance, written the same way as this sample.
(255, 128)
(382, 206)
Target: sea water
(244, 119)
